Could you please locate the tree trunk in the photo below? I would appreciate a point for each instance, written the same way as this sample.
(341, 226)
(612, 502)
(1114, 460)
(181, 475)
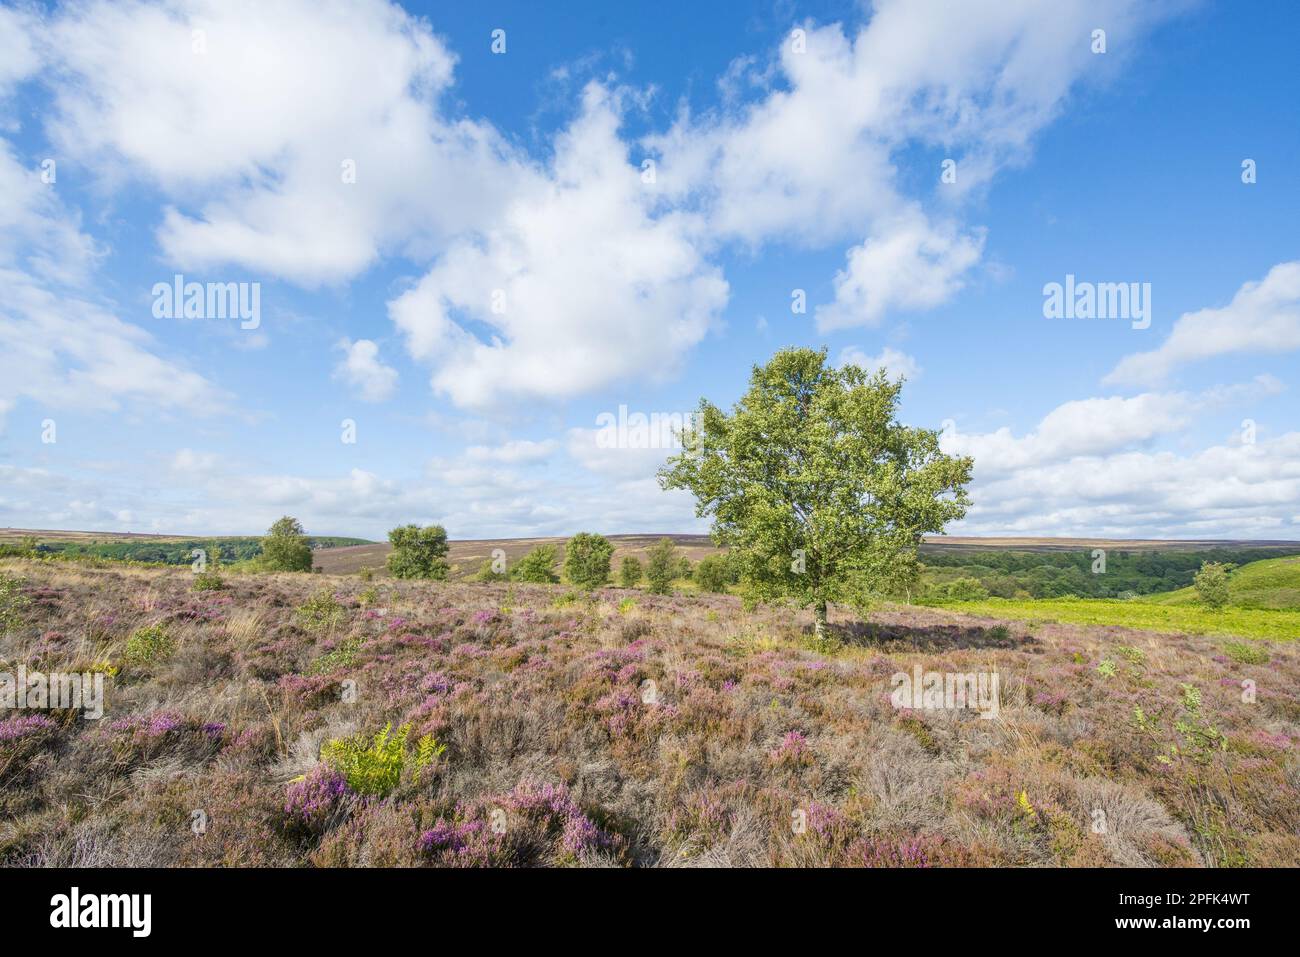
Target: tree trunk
(819, 619)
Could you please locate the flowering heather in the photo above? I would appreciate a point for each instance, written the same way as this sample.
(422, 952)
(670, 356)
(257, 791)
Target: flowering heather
(674, 730)
(553, 806)
(15, 729)
(153, 725)
(314, 800)
(792, 749)
(463, 844)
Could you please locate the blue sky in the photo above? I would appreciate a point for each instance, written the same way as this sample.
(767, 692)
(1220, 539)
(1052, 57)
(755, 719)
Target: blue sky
(795, 147)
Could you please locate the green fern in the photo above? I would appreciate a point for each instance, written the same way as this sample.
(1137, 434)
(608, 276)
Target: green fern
(375, 766)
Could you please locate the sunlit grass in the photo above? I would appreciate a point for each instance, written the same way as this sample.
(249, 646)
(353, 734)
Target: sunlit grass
(1193, 619)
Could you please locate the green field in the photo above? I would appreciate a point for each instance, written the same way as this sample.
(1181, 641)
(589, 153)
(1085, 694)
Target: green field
(1175, 619)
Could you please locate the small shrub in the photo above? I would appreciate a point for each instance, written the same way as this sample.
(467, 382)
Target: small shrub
(366, 573)
(149, 645)
(314, 801)
(487, 572)
(341, 656)
(209, 579)
(711, 573)
(321, 612)
(567, 599)
(1245, 653)
(418, 552)
(285, 547)
(629, 573)
(12, 603)
(538, 566)
(586, 560)
(824, 644)
(962, 589)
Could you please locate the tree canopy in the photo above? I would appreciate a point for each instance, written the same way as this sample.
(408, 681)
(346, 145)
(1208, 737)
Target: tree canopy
(418, 552)
(285, 547)
(812, 483)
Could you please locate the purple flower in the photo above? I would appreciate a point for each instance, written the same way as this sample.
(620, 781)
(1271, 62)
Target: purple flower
(15, 729)
(161, 722)
(313, 800)
(792, 747)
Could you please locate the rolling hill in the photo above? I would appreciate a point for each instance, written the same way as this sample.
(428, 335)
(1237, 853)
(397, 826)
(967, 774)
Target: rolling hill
(1272, 584)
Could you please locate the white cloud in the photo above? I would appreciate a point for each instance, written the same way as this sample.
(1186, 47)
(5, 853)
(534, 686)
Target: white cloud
(579, 283)
(515, 452)
(249, 135)
(630, 461)
(59, 345)
(911, 265)
(896, 364)
(1097, 426)
(1237, 491)
(364, 372)
(190, 462)
(1263, 317)
(18, 56)
(813, 161)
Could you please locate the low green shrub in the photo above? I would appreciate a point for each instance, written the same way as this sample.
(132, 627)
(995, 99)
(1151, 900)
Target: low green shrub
(374, 766)
(149, 645)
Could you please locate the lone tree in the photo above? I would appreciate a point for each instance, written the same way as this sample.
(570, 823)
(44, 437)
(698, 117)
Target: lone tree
(418, 552)
(586, 559)
(818, 491)
(285, 547)
(1211, 584)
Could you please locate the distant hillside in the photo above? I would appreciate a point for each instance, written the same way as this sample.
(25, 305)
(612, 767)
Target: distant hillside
(163, 549)
(1273, 584)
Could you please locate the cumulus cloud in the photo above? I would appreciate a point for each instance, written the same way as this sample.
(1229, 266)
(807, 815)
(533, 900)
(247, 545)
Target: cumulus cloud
(580, 283)
(364, 372)
(1263, 317)
(813, 160)
(1094, 467)
(896, 364)
(1095, 426)
(1225, 491)
(909, 266)
(299, 138)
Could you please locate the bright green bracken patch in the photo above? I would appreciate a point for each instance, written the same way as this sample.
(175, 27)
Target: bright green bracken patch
(375, 766)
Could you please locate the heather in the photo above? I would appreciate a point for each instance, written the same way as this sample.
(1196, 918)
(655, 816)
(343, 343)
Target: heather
(423, 723)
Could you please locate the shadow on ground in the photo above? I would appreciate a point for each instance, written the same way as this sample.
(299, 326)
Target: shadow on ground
(930, 637)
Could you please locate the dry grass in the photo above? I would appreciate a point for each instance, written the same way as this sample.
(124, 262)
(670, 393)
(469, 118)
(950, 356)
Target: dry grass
(667, 732)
